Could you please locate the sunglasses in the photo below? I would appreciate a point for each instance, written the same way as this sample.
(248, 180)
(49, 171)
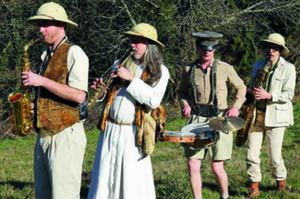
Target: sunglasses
(273, 47)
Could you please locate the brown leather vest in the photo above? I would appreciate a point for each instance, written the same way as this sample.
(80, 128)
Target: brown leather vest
(54, 114)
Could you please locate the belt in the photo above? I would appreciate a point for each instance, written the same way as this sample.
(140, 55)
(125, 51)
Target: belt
(120, 123)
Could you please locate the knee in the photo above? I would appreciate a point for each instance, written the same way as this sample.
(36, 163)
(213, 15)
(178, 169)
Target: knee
(194, 165)
(217, 168)
(276, 163)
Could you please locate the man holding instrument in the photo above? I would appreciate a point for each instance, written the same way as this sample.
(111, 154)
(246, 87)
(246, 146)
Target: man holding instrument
(60, 108)
(274, 111)
(121, 170)
(203, 96)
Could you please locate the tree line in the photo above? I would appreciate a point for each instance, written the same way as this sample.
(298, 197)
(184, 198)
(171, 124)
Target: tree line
(103, 22)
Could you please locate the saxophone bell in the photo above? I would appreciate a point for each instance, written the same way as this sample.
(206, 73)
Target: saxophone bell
(20, 118)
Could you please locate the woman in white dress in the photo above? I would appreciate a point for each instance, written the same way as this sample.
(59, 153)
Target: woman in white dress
(120, 170)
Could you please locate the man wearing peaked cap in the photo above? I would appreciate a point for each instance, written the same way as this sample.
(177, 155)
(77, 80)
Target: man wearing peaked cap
(122, 167)
(60, 108)
(274, 111)
(203, 96)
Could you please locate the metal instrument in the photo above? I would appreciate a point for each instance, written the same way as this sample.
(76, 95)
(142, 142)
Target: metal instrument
(107, 80)
(248, 110)
(227, 123)
(195, 136)
(20, 100)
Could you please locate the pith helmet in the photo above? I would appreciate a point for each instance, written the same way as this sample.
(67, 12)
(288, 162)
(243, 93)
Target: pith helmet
(277, 39)
(53, 12)
(207, 40)
(144, 30)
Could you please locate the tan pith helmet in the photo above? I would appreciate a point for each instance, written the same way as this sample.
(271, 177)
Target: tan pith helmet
(53, 12)
(276, 38)
(144, 30)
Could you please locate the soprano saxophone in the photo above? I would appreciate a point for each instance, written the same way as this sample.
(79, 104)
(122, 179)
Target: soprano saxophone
(20, 100)
(107, 81)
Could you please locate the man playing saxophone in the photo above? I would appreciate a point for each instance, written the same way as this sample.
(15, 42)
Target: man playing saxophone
(274, 112)
(61, 90)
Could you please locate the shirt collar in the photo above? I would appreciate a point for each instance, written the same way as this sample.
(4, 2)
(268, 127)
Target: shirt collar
(48, 52)
(198, 64)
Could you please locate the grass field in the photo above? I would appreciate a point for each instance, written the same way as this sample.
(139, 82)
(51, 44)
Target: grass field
(169, 168)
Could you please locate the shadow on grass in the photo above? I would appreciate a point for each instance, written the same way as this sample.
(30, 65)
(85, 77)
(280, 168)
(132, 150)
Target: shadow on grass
(166, 189)
(238, 193)
(85, 184)
(84, 191)
(19, 186)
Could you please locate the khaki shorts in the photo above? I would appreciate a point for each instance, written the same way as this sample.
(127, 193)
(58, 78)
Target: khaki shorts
(221, 151)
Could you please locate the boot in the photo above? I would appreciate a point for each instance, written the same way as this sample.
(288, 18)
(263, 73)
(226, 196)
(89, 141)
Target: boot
(253, 190)
(281, 184)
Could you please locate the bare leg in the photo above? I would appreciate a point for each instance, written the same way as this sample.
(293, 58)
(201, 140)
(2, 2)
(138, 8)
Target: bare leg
(195, 177)
(220, 176)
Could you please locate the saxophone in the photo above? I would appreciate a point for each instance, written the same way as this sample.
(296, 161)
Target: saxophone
(20, 100)
(248, 110)
(107, 81)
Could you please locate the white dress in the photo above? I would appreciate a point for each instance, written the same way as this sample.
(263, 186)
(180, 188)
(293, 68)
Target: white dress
(120, 171)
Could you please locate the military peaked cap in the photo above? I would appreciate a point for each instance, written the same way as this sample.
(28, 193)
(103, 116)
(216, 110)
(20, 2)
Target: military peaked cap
(207, 40)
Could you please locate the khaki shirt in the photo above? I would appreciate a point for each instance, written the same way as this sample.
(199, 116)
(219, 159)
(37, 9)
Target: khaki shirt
(225, 75)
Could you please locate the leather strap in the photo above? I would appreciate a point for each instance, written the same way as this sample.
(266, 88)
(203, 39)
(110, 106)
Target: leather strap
(120, 123)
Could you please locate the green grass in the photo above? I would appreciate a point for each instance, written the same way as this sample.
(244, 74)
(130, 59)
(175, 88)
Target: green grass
(169, 168)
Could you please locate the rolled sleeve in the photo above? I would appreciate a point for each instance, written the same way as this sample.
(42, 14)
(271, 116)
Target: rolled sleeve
(78, 65)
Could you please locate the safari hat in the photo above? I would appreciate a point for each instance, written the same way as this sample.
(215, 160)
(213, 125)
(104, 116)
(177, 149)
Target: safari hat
(53, 12)
(144, 30)
(207, 40)
(277, 39)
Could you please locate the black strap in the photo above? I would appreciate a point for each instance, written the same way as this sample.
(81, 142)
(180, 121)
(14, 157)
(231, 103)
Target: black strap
(213, 83)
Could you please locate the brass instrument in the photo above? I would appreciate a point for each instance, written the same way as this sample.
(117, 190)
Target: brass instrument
(97, 93)
(20, 100)
(248, 110)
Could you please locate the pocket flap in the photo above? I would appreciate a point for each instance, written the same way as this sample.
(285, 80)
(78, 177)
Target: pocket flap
(282, 107)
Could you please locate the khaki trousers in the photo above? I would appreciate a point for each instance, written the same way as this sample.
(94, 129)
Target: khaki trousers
(58, 163)
(274, 136)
